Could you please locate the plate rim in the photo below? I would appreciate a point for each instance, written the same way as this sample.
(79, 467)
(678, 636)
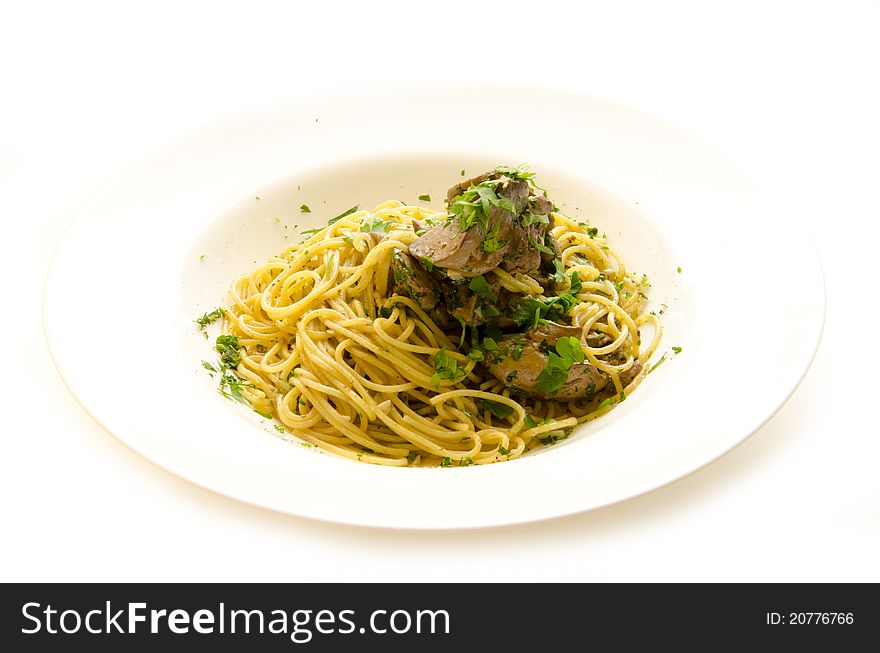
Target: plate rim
(819, 306)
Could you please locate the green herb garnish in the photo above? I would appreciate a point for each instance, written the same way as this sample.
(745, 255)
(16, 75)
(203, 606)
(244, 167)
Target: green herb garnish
(425, 198)
(498, 409)
(482, 288)
(342, 215)
(491, 243)
(555, 372)
(445, 367)
(208, 318)
(229, 349)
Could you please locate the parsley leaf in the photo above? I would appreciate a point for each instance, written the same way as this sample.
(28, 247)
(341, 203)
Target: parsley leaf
(555, 372)
(530, 311)
(528, 218)
(428, 263)
(677, 350)
(515, 173)
(305, 208)
(491, 242)
(540, 247)
(569, 348)
(208, 318)
(592, 232)
(498, 409)
(446, 462)
(445, 367)
(425, 198)
(372, 223)
(559, 274)
(342, 215)
(229, 349)
(482, 288)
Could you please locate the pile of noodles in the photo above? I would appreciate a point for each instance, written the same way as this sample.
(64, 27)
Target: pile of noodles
(319, 353)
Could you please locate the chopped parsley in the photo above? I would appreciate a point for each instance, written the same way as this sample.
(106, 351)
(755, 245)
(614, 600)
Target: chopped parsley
(208, 318)
(428, 263)
(446, 462)
(592, 232)
(503, 450)
(305, 208)
(498, 409)
(528, 218)
(473, 205)
(342, 215)
(610, 401)
(482, 288)
(373, 223)
(541, 247)
(425, 198)
(658, 363)
(677, 350)
(530, 311)
(679, 269)
(559, 271)
(445, 367)
(279, 428)
(491, 243)
(515, 173)
(229, 349)
(555, 372)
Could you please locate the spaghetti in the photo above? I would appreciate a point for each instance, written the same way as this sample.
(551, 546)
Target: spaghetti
(345, 364)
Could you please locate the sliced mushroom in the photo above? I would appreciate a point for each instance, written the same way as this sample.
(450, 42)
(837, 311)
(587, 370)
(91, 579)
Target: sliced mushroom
(411, 280)
(520, 360)
(460, 253)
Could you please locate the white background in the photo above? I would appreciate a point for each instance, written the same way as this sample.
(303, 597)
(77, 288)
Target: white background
(789, 90)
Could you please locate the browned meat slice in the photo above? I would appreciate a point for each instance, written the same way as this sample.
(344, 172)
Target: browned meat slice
(463, 254)
(553, 331)
(460, 253)
(517, 191)
(461, 187)
(541, 205)
(411, 280)
(520, 360)
(520, 255)
(627, 377)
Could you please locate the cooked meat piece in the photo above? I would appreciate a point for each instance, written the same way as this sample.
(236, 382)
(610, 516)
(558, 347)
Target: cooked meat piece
(411, 280)
(541, 205)
(553, 331)
(517, 191)
(461, 187)
(520, 256)
(462, 254)
(553, 244)
(627, 377)
(521, 374)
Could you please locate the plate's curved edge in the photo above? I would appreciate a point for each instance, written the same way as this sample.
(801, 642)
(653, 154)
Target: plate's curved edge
(820, 309)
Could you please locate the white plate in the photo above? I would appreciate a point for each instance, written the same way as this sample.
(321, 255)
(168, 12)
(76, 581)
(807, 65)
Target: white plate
(128, 280)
